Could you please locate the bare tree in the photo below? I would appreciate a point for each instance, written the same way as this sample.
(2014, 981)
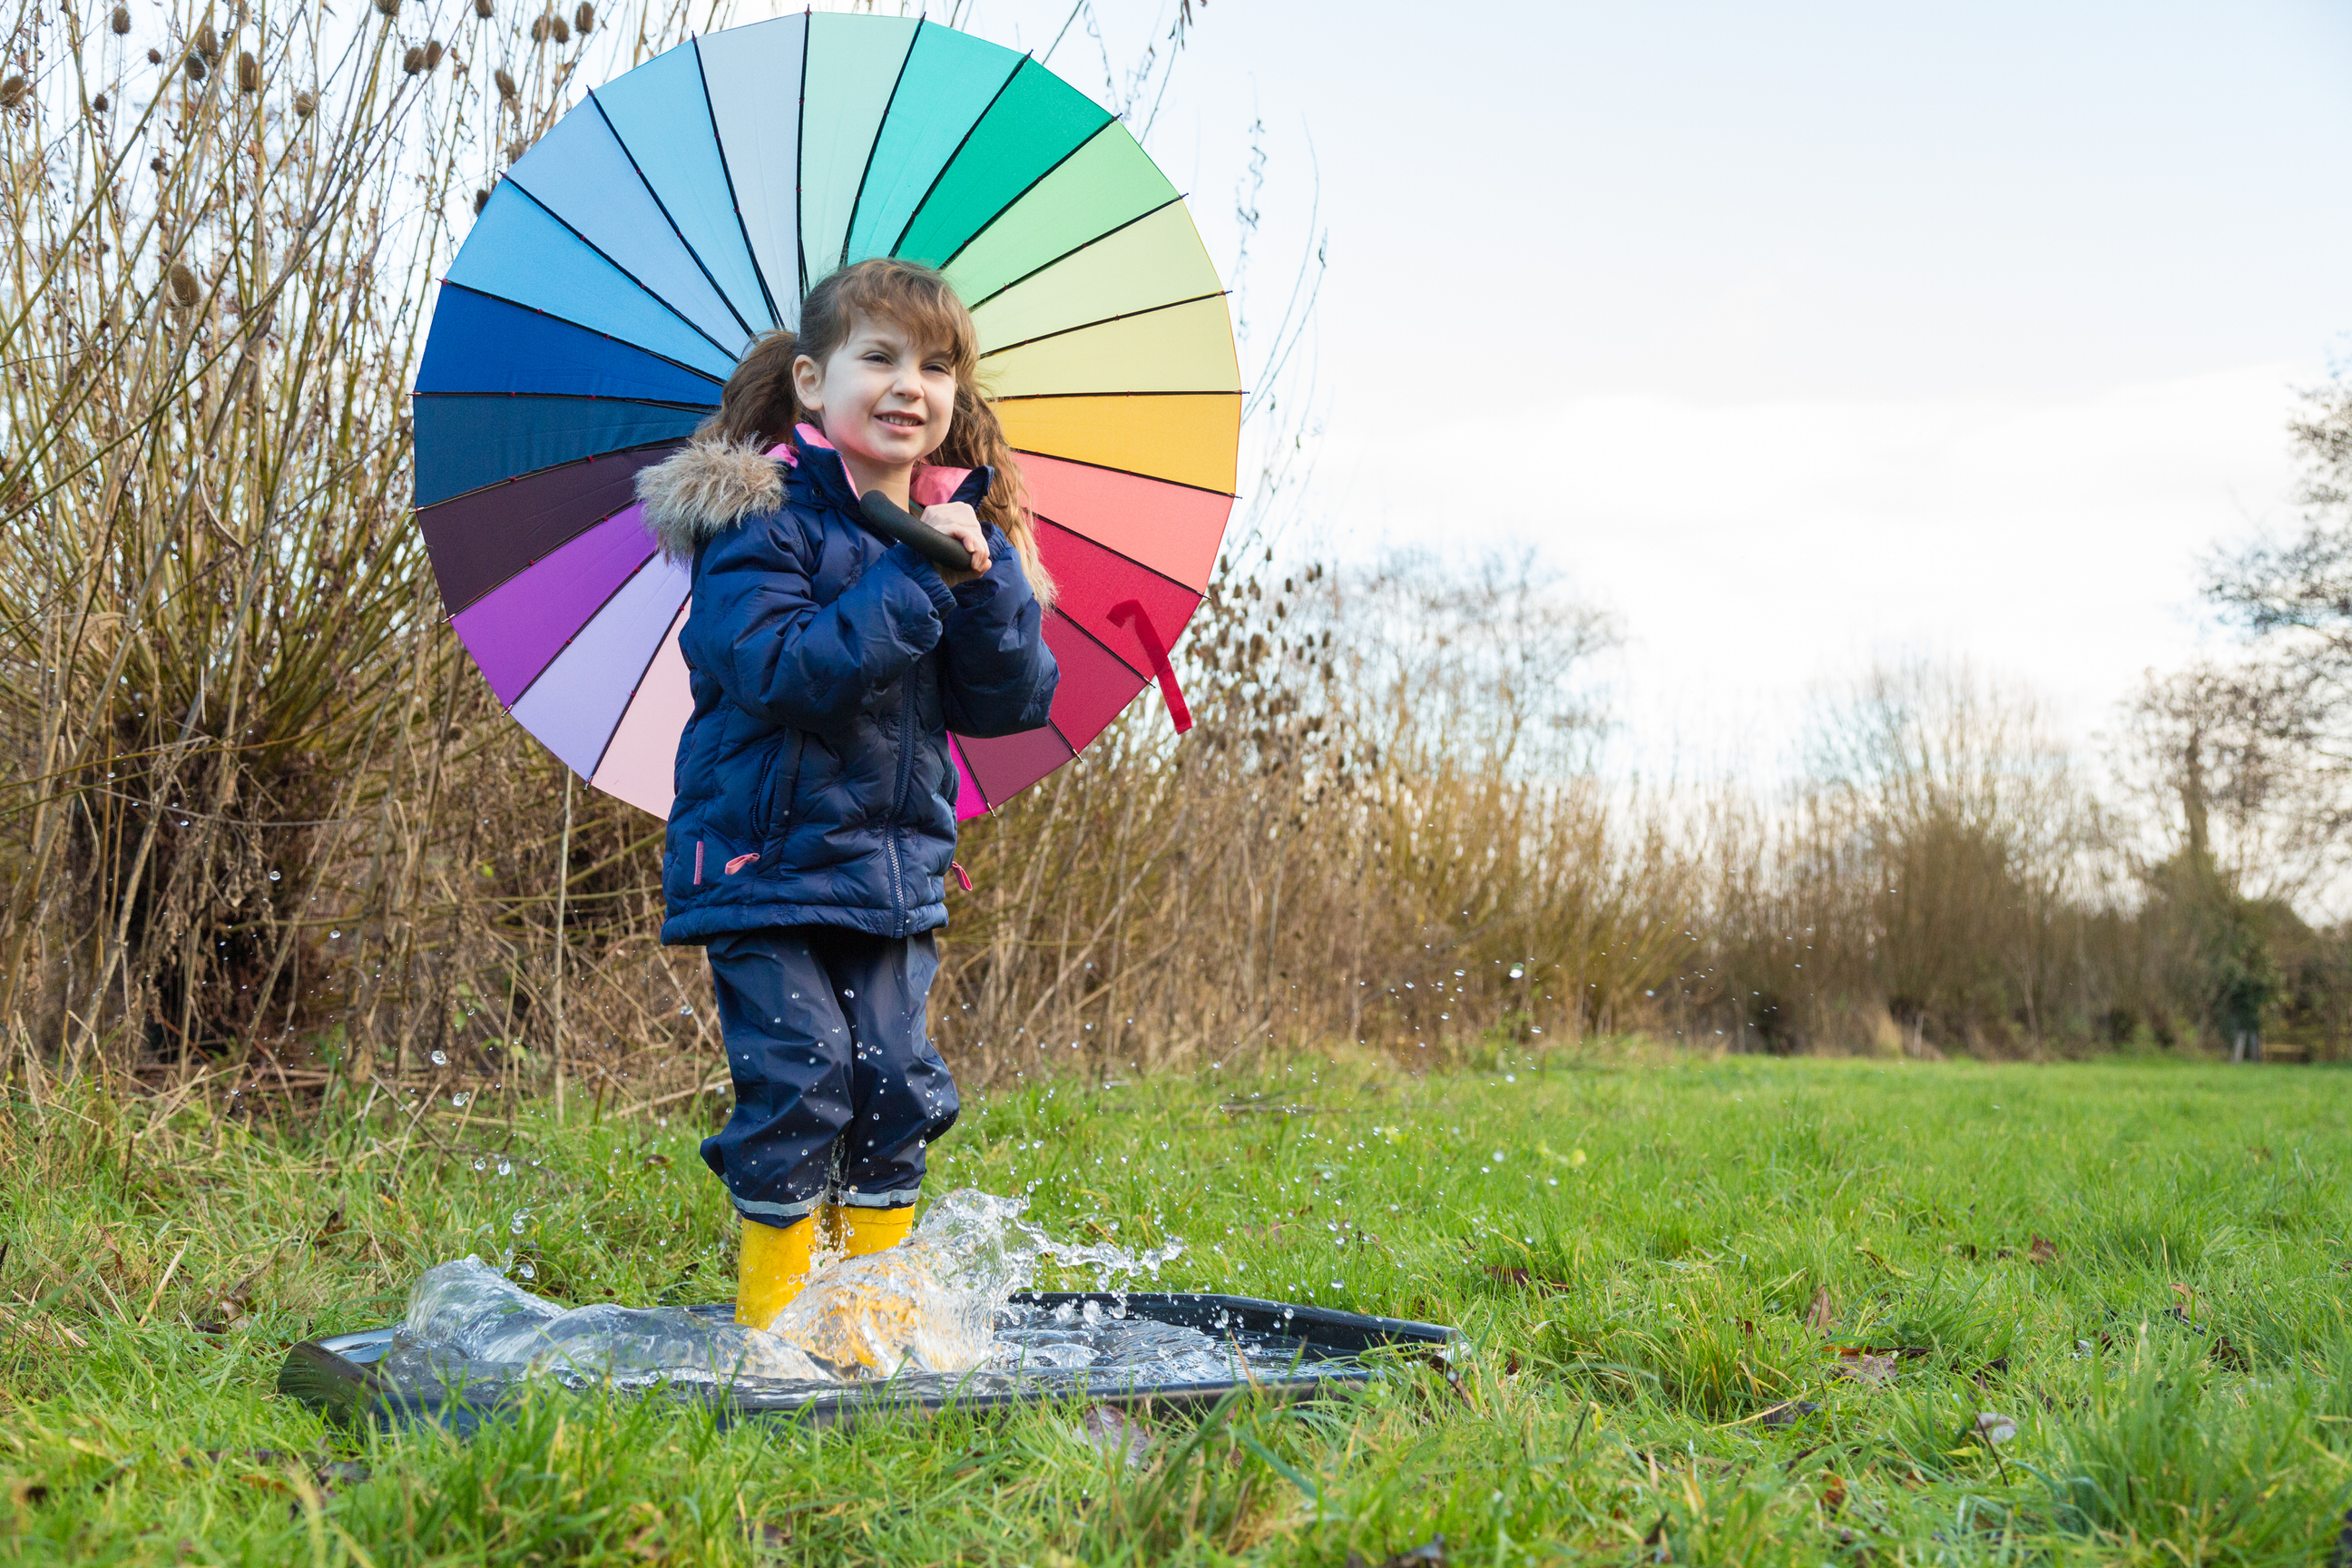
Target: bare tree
(2294, 599)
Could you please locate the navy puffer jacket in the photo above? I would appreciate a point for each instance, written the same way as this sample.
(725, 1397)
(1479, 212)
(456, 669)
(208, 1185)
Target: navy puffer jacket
(814, 785)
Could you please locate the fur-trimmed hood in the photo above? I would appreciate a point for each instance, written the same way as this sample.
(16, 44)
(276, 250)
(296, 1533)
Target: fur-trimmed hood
(700, 492)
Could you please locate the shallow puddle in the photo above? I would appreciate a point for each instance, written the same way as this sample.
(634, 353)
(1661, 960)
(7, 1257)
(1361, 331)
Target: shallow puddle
(937, 1313)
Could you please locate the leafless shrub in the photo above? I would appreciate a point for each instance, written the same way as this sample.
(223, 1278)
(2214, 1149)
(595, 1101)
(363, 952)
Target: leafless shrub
(245, 779)
(1344, 848)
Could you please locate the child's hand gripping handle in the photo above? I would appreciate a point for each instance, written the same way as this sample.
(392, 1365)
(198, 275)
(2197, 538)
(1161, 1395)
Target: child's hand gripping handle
(887, 519)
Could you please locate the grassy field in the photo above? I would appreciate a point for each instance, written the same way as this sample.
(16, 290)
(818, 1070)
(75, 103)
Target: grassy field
(1738, 1311)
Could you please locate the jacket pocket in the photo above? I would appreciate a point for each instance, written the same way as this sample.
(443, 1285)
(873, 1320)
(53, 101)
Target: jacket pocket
(778, 783)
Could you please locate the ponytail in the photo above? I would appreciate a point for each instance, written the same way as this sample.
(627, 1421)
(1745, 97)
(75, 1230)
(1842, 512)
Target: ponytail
(757, 406)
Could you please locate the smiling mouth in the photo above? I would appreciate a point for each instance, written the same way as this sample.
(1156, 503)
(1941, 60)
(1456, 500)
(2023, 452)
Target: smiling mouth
(901, 421)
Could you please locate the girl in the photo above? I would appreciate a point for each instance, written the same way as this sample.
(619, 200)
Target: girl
(814, 821)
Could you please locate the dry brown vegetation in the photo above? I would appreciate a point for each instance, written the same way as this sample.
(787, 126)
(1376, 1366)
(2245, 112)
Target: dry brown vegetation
(262, 820)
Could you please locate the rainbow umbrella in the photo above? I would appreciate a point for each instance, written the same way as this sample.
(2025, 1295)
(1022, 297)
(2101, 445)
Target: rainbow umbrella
(626, 261)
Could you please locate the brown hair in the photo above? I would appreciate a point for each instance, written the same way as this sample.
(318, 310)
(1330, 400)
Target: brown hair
(760, 406)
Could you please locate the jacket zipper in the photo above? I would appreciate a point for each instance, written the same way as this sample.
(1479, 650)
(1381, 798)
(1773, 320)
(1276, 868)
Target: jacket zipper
(898, 800)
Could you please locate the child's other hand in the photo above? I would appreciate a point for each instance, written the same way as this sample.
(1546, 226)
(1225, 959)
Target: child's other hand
(961, 523)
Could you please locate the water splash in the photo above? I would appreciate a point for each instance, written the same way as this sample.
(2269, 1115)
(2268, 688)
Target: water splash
(932, 1303)
(936, 1307)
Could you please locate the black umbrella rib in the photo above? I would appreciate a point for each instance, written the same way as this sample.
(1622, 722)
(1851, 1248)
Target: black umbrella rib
(1073, 623)
(625, 272)
(1101, 321)
(663, 207)
(725, 168)
(669, 403)
(1065, 256)
(586, 621)
(1136, 473)
(962, 142)
(866, 173)
(592, 331)
(1123, 555)
(572, 462)
(800, 152)
(635, 686)
(1014, 200)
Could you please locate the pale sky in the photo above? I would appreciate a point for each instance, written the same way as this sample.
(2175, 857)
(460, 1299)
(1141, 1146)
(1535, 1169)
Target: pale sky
(1793, 333)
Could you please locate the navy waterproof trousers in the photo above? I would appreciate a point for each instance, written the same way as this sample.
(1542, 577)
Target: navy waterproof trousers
(837, 1089)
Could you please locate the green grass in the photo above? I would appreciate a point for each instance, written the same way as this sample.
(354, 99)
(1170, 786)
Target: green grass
(2144, 1266)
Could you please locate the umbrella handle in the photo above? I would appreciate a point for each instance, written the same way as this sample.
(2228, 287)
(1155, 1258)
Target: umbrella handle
(887, 517)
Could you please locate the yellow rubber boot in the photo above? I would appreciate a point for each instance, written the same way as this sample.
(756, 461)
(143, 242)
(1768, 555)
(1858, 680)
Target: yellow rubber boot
(864, 1230)
(775, 1265)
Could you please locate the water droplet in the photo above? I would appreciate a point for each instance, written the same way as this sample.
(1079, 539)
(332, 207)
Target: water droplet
(332, 935)
(440, 1058)
(520, 1222)
(685, 1012)
(459, 1100)
(506, 1167)
(1518, 972)
(273, 876)
(525, 1270)
(481, 1164)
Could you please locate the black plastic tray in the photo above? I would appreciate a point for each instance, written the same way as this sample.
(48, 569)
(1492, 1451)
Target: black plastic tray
(336, 1375)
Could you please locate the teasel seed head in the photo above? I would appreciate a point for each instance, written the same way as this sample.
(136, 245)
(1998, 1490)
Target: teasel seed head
(412, 61)
(121, 20)
(185, 286)
(506, 83)
(248, 72)
(306, 103)
(584, 20)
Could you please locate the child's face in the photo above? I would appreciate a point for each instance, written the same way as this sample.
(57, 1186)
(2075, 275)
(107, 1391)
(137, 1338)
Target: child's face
(880, 397)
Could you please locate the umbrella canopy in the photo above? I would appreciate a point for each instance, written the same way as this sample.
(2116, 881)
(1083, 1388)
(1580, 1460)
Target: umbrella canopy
(626, 261)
